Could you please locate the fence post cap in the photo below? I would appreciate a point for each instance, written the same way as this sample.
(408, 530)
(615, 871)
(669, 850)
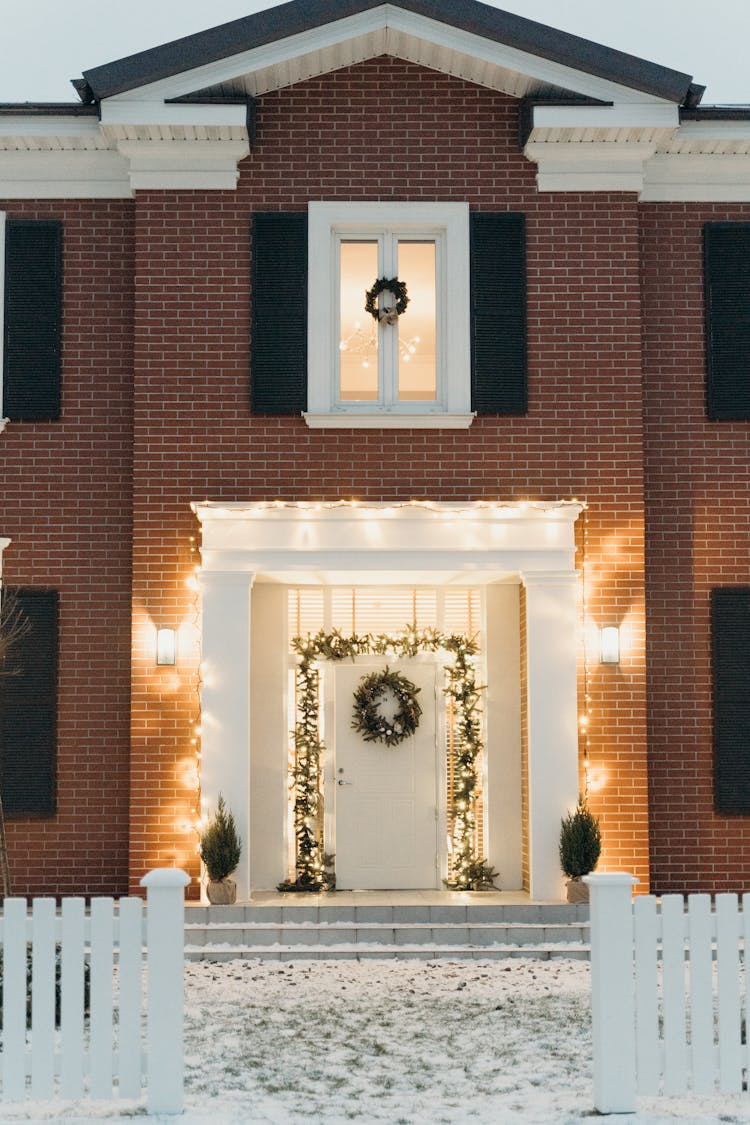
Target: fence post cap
(611, 879)
(165, 877)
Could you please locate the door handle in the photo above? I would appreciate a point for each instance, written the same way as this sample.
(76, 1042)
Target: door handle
(342, 782)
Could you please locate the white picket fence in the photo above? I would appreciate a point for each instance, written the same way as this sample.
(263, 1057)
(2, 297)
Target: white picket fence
(669, 1003)
(102, 1056)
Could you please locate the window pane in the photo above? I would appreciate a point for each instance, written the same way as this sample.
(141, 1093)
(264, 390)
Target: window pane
(417, 327)
(358, 336)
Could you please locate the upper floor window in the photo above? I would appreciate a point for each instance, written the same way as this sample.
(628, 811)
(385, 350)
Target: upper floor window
(385, 356)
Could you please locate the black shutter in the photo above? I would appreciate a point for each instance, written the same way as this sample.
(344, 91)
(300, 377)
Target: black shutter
(498, 312)
(726, 250)
(279, 317)
(33, 306)
(730, 638)
(28, 707)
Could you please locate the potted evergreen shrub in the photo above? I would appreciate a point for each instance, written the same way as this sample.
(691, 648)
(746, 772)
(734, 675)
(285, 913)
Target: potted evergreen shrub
(580, 848)
(220, 850)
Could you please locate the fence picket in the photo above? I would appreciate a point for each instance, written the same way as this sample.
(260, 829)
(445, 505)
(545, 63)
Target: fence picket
(101, 1050)
(745, 931)
(673, 973)
(727, 959)
(701, 994)
(71, 997)
(43, 999)
(43, 941)
(14, 999)
(646, 996)
(130, 1004)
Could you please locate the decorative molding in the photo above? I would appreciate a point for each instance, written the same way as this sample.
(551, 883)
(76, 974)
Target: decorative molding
(180, 165)
(64, 175)
(590, 166)
(693, 178)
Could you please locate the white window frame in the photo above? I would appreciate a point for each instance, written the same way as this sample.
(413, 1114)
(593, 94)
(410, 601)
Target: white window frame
(448, 225)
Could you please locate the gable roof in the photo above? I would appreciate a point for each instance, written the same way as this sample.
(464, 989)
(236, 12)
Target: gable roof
(300, 16)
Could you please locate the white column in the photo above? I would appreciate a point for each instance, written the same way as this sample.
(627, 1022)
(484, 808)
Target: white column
(225, 703)
(552, 716)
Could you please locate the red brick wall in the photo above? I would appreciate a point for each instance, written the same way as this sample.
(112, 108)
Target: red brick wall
(698, 537)
(65, 503)
(195, 438)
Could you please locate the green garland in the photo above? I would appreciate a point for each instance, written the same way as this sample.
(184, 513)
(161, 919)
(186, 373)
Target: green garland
(368, 720)
(468, 871)
(386, 285)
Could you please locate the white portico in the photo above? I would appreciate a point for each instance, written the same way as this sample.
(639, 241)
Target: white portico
(521, 556)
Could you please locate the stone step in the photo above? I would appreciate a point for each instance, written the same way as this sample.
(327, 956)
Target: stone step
(355, 932)
(384, 933)
(539, 913)
(393, 952)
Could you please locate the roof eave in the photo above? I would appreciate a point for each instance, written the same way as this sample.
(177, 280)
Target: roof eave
(300, 16)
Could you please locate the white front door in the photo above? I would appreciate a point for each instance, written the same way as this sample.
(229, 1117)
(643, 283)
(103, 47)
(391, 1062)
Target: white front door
(386, 797)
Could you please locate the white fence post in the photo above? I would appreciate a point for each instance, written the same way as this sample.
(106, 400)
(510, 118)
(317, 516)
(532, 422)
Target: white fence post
(612, 992)
(165, 958)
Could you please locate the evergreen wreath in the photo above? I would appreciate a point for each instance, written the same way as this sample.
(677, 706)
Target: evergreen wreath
(371, 723)
(390, 285)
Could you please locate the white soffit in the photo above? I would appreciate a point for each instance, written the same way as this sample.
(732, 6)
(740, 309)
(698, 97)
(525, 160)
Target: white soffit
(387, 544)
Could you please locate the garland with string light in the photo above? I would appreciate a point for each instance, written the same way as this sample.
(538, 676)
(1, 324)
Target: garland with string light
(468, 871)
(371, 723)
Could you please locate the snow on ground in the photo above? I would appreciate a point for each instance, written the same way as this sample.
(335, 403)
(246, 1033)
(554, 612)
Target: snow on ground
(399, 1042)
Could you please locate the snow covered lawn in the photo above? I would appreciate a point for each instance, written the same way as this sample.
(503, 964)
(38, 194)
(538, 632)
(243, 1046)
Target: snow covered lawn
(401, 1042)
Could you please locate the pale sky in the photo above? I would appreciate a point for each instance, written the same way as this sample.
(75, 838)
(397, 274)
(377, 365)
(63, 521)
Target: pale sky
(44, 43)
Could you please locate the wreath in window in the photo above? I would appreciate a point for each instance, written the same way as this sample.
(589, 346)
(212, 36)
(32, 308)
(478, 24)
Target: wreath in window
(387, 285)
(369, 720)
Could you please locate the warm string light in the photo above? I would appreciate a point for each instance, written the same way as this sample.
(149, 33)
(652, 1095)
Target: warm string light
(364, 343)
(199, 818)
(509, 508)
(585, 716)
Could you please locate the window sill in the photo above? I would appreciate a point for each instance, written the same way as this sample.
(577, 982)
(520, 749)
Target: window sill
(351, 421)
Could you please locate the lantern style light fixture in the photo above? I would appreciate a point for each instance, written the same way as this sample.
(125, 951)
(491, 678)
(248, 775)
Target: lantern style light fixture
(609, 644)
(166, 646)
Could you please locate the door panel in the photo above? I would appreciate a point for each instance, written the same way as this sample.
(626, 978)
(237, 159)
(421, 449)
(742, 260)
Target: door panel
(386, 808)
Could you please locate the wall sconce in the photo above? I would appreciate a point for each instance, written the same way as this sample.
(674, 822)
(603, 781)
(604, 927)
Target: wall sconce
(609, 644)
(166, 646)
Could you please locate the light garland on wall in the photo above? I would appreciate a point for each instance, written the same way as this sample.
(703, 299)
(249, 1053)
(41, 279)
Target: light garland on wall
(198, 816)
(468, 871)
(585, 714)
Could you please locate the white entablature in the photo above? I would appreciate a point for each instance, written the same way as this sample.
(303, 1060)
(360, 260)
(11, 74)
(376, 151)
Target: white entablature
(385, 544)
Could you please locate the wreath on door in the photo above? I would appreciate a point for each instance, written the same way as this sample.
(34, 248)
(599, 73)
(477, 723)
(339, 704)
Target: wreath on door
(371, 723)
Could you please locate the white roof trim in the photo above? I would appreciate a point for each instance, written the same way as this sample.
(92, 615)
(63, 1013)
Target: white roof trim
(389, 19)
(138, 112)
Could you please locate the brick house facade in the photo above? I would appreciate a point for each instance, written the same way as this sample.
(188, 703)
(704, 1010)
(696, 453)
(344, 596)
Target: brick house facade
(159, 449)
